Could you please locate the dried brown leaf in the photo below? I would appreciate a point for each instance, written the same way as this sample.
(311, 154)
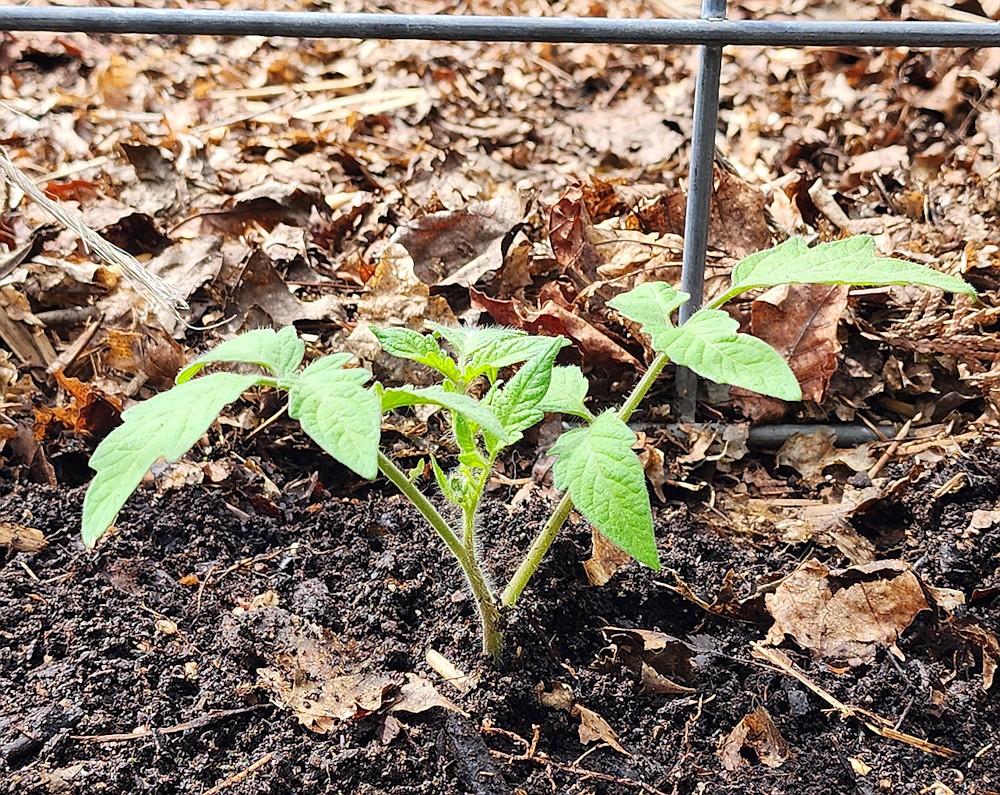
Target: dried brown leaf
(800, 321)
(605, 560)
(846, 615)
(553, 319)
(461, 246)
(756, 734)
(593, 727)
(811, 453)
(659, 659)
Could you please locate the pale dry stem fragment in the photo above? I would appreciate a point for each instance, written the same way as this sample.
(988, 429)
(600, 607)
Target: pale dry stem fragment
(148, 285)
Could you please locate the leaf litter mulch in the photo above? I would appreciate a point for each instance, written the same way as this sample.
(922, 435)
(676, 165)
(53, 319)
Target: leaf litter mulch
(261, 622)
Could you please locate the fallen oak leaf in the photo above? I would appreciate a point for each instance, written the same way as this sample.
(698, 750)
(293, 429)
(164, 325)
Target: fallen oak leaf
(460, 246)
(846, 614)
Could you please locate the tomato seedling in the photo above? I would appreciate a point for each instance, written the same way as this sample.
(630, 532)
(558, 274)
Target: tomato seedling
(595, 465)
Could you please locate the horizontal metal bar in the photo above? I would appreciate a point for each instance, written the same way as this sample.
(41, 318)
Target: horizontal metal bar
(485, 28)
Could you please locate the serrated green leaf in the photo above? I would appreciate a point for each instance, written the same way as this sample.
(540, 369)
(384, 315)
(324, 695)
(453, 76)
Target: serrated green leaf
(711, 345)
(650, 305)
(420, 348)
(852, 261)
(456, 336)
(515, 403)
(278, 352)
(468, 407)
(566, 393)
(605, 479)
(165, 426)
(334, 408)
(505, 351)
(481, 336)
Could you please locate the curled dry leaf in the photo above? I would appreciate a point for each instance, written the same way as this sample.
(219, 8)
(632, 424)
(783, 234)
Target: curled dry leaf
(605, 560)
(846, 615)
(659, 659)
(593, 727)
(754, 736)
(811, 453)
(461, 246)
(988, 645)
(89, 409)
(800, 322)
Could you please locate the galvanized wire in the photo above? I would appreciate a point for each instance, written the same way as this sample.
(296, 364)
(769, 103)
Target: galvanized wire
(309, 24)
(712, 33)
(699, 199)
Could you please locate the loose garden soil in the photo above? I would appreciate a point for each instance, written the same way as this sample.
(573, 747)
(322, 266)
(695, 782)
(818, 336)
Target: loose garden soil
(135, 668)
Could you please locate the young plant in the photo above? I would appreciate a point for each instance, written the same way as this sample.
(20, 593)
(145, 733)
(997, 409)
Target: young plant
(595, 465)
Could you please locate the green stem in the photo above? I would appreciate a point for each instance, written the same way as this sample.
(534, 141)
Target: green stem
(489, 614)
(544, 539)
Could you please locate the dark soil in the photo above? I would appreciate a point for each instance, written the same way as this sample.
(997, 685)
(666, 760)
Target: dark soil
(83, 655)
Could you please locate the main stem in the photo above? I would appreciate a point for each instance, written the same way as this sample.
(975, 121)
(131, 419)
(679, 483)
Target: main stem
(489, 613)
(548, 534)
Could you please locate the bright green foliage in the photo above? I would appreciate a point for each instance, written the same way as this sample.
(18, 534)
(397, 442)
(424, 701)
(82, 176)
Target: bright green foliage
(489, 407)
(166, 426)
(420, 348)
(468, 407)
(852, 261)
(711, 345)
(334, 408)
(604, 477)
(515, 403)
(494, 354)
(567, 392)
(651, 304)
(278, 352)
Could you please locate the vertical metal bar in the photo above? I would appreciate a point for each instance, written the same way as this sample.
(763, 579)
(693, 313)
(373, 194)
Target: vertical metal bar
(699, 200)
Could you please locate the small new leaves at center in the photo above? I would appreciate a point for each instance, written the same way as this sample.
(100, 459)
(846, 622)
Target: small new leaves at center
(605, 479)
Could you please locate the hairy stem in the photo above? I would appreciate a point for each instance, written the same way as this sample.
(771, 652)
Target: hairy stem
(548, 534)
(489, 614)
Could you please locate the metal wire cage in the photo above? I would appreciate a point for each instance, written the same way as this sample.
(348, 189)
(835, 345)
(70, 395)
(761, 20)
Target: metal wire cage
(711, 33)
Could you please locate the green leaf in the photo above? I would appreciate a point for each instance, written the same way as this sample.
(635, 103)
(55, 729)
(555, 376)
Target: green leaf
(515, 403)
(278, 352)
(456, 336)
(334, 408)
(165, 426)
(505, 351)
(481, 336)
(468, 407)
(710, 344)
(420, 348)
(444, 484)
(567, 391)
(650, 305)
(852, 261)
(604, 477)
